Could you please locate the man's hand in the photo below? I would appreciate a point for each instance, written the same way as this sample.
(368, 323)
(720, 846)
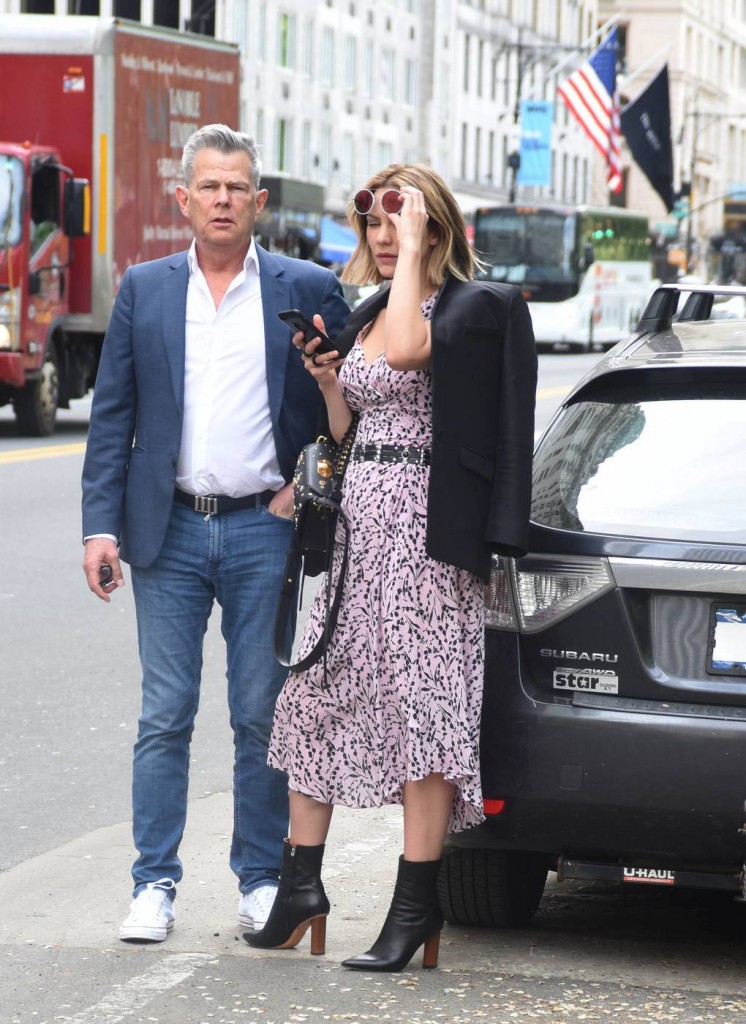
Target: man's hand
(282, 503)
(100, 551)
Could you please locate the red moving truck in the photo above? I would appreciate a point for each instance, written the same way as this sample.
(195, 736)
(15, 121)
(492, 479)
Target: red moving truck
(94, 116)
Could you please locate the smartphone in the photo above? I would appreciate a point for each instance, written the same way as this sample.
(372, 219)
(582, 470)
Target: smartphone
(106, 579)
(298, 321)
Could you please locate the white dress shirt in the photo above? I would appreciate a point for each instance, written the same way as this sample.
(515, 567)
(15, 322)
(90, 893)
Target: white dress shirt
(227, 446)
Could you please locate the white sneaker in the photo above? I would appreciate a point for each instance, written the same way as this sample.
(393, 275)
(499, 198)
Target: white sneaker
(151, 915)
(254, 908)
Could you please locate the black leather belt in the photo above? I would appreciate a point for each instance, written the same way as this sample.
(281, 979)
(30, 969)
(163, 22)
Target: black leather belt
(217, 504)
(391, 454)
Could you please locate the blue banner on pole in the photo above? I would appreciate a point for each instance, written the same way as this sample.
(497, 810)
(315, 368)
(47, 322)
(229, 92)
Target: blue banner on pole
(537, 117)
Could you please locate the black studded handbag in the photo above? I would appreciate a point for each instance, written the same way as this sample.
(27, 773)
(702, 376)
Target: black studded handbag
(317, 495)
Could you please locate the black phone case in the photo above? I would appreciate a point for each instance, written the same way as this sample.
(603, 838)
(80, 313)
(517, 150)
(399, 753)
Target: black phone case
(298, 321)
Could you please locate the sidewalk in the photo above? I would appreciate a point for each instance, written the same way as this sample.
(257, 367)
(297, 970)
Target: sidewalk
(78, 894)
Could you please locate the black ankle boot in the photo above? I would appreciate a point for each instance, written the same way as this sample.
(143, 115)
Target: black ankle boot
(300, 902)
(414, 918)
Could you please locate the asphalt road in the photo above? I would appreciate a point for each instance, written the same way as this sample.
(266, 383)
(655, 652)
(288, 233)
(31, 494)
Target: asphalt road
(69, 703)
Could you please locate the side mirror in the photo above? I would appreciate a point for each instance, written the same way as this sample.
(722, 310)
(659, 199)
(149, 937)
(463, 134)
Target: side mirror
(588, 256)
(77, 213)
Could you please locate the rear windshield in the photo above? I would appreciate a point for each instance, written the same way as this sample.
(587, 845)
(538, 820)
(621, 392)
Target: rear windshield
(672, 467)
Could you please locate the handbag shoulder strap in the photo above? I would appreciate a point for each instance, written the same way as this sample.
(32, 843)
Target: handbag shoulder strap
(288, 591)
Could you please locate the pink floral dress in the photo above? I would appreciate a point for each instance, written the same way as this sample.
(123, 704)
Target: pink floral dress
(405, 665)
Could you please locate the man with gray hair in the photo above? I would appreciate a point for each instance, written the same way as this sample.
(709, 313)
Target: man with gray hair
(200, 408)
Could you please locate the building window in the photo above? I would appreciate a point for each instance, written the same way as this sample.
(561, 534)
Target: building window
(350, 62)
(202, 20)
(127, 9)
(565, 179)
(410, 82)
(467, 40)
(327, 55)
(305, 150)
(367, 154)
(477, 154)
(348, 160)
(325, 161)
(165, 12)
(286, 41)
(283, 145)
(480, 66)
(261, 33)
(368, 69)
(386, 74)
(384, 154)
(308, 48)
(445, 91)
(464, 141)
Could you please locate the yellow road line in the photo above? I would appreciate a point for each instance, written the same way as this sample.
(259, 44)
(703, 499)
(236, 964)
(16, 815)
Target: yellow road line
(57, 451)
(52, 451)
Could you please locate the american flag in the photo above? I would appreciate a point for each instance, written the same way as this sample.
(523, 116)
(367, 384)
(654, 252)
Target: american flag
(590, 94)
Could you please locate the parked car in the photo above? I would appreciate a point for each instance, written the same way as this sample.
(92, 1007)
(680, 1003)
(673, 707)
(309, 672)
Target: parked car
(614, 722)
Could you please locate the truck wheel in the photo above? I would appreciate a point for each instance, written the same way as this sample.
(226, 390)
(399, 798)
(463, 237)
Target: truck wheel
(35, 405)
(491, 888)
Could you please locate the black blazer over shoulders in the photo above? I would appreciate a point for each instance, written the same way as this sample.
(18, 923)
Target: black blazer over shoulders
(484, 369)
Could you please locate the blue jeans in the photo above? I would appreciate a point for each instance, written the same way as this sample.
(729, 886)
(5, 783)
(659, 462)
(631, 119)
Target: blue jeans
(236, 559)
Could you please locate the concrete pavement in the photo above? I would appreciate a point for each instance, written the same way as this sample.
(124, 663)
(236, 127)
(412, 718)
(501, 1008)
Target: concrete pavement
(78, 894)
(62, 961)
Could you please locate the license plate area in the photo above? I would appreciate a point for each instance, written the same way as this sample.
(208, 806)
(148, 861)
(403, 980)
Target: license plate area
(726, 646)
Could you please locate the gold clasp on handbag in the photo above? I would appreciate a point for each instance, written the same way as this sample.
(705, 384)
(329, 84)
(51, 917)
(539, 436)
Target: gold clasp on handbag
(325, 468)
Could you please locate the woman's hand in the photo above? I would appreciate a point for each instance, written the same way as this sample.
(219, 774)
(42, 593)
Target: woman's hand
(411, 222)
(323, 366)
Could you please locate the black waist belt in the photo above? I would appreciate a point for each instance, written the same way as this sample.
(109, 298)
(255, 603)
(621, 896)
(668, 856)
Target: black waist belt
(217, 504)
(392, 454)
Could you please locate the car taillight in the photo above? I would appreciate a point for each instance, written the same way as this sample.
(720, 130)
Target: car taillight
(548, 589)
(533, 592)
(499, 610)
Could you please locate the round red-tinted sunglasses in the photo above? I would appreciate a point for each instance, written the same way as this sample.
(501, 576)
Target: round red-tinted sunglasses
(391, 201)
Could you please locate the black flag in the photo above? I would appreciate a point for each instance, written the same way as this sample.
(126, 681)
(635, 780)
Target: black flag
(646, 125)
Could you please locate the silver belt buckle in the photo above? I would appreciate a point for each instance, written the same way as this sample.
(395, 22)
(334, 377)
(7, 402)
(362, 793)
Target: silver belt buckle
(207, 504)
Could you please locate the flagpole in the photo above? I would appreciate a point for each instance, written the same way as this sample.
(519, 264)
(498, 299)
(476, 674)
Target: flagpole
(584, 45)
(624, 81)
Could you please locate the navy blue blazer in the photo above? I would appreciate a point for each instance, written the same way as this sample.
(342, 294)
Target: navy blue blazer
(129, 473)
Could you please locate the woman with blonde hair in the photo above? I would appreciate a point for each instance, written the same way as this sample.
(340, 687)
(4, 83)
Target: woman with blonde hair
(441, 369)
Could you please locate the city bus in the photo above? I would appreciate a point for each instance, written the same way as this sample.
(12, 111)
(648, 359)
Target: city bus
(586, 271)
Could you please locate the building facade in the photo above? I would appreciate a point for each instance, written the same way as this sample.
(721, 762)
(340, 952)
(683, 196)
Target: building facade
(335, 89)
(704, 44)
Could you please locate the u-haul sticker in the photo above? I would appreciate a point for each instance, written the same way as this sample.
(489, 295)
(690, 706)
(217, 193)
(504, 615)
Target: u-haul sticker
(594, 682)
(653, 876)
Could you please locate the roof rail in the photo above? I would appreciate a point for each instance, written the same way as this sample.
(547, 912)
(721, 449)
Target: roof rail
(664, 303)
